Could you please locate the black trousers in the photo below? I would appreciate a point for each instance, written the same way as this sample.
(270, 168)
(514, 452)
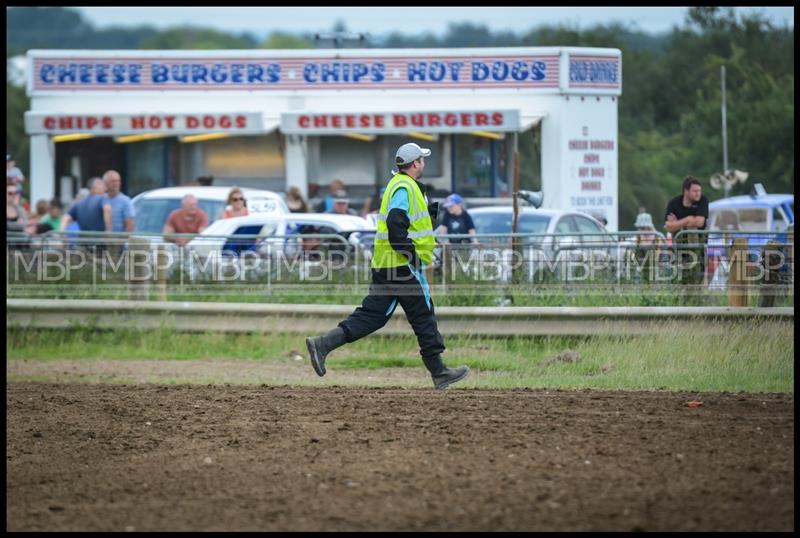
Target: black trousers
(390, 287)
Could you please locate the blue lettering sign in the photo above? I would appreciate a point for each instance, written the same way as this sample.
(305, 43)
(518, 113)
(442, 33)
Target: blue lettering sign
(118, 73)
(538, 71)
(583, 71)
(378, 72)
(180, 72)
(47, 73)
(84, 74)
(455, 67)
(255, 73)
(100, 70)
(438, 71)
(236, 72)
(415, 71)
(66, 73)
(218, 73)
(330, 72)
(199, 73)
(135, 73)
(500, 71)
(310, 72)
(479, 71)
(159, 73)
(359, 70)
(519, 71)
(273, 73)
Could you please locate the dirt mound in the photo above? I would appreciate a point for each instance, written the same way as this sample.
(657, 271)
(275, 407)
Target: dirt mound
(248, 458)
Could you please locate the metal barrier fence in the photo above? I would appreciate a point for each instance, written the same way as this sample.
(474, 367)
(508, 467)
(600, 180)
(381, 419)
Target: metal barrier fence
(627, 267)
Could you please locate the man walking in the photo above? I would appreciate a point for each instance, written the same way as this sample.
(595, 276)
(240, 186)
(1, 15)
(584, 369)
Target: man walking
(404, 243)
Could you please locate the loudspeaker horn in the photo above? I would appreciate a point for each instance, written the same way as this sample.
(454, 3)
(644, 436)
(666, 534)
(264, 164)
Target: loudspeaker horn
(534, 198)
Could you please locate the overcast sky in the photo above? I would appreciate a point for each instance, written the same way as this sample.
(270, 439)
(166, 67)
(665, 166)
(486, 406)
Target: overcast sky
(382, 20)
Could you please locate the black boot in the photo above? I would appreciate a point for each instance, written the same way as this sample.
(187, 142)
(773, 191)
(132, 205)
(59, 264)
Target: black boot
(320, 346)
(441, 374)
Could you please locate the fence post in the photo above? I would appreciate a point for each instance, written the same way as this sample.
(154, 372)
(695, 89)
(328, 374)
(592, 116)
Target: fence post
(737, 276)
(161, 272)
(138, 279)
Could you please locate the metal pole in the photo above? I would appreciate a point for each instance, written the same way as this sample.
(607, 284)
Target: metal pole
(724, 136)
(515, 244)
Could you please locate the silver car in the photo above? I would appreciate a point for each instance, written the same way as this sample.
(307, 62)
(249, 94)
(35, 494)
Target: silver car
(550, 236)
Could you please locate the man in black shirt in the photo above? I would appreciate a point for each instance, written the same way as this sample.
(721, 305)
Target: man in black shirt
(456, 220)
(689, 211)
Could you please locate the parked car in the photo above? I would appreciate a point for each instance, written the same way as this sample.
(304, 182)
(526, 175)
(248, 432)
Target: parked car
(590, 237)
(153, 207)
(273, 234)
(764, 217)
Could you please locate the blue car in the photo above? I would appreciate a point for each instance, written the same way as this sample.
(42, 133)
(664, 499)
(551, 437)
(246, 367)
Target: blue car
(758, 218)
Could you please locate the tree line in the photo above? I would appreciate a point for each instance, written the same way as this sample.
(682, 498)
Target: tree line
(669, 111)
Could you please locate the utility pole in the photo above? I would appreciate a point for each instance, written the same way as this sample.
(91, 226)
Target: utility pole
(724, 135)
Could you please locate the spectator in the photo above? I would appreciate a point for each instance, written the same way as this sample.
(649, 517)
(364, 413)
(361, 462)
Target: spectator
(12, 172)
(644, 223)
(373, 202)
(457, 220)
(646, 253)
(337, 185)
(205, 181)
(91, 213)
(341, 204)
(54, 216)
(315, 201)
(189, 219)
(689, 211)
(120, 205)
(295, 202)
(237, 205)
(35, 224)
(16, 216)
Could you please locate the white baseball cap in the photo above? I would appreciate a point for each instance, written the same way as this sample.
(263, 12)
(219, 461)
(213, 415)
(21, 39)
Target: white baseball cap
(408, 153)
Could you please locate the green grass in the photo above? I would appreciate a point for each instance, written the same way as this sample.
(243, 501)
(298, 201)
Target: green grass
(749, 357)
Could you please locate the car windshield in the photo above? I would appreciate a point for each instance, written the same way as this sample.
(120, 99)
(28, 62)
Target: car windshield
(500, 223)
(742, 219)
(151, 214)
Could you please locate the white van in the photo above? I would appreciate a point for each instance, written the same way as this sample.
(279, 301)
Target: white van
(153, 207)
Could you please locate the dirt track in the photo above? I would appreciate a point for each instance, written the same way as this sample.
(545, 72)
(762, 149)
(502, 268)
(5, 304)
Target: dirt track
(214, 458)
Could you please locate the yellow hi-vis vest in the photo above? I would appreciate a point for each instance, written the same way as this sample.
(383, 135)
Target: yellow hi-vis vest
(420, 230)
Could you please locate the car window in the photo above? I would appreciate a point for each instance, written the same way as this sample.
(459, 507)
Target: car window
(779, 221)
(588, 227)
(753, 219)
(724, 219)
(501, 223)
(492, 223)
(566, 225)
(533, 224)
